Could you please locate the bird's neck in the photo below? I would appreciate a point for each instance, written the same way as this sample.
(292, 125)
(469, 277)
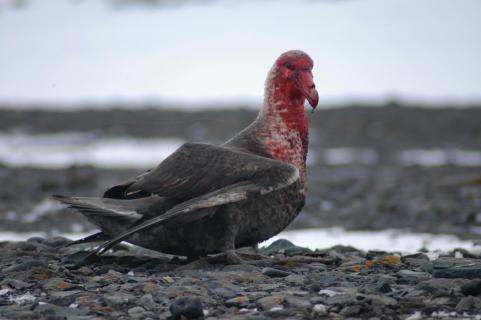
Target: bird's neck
(284, 123)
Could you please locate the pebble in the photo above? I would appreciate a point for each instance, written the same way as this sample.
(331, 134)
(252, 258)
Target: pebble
(147, 300)
(413, 276)
(341, 299)
(286, 247)
(295, 279)
(14, 283)
(319, 310)
(383, 286)
(269, 302)
(188, 307)
(116, 298)
(469, 303)
(28, 265)
(237, 301)
(275, 273)
(472, 288)
(297, 302)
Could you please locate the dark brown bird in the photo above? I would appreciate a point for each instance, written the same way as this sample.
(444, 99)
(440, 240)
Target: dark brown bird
(206, 199)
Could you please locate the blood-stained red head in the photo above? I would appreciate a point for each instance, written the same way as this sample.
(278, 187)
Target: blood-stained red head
(295, 68)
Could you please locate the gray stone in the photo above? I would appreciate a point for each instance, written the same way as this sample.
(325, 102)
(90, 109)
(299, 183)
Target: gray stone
(317, 266)
(16, 284)
(137, 313)
(118, 298)
(268, 286)
(27, 265)
(413, 276)
(443, 263)
(297, 302)
(275, 273)
(420, 261)
(255, 295)
(277, 246)
(351, 310)
(459, 272)
(241, 267)
(64, 294)
(382, 286)
(53, 311)
(378, 300)
(188, 307)
(295, 279)
(440, 301)
(342, 299)
(472, 288)
(148, 302)
(469, 303)
(441, 285)
(286, 247)
(269, 302)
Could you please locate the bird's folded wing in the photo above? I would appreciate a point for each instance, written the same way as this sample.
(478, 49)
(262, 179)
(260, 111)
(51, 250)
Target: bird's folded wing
(272, 175)
(196, 169)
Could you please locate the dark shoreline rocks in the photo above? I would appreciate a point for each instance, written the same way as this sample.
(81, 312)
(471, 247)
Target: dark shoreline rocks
(39, 279)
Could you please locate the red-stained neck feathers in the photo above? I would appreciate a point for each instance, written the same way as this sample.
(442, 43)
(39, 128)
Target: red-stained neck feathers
(285, 128)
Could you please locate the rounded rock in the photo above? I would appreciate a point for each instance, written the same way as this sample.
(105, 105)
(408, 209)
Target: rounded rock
(189, 307)
(472, 288)
(275, 273)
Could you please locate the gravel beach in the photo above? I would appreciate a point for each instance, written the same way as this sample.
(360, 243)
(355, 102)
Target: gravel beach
(43, 279)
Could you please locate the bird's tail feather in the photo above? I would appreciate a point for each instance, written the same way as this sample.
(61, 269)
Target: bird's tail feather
(96, 237)
(110, 215)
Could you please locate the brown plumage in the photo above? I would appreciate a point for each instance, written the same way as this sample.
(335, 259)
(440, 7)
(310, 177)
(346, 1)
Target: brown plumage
(206, 199)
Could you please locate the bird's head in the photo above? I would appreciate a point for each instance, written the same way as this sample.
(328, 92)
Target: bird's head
(294, 70)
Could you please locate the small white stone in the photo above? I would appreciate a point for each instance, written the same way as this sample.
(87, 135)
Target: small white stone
(73, 305)
(328, 292)
(320, 309)
(4, 292)
(131, 273)
(276, 308)
(416, 316)
(24, 299)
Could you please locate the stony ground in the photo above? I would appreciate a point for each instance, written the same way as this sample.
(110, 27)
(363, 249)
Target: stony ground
(43, 279)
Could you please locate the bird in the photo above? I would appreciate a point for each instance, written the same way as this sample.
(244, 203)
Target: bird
(213, 199)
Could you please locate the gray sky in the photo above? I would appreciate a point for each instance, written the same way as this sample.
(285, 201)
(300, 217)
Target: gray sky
(419, 49)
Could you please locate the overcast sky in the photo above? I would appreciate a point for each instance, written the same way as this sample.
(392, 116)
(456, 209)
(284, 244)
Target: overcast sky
(62, 52)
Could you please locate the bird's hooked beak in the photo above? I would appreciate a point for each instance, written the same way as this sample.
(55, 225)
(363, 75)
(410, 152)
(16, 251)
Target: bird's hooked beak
(305, 83)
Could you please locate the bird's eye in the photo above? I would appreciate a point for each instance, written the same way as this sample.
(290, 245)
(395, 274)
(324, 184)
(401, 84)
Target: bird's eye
(289, 66)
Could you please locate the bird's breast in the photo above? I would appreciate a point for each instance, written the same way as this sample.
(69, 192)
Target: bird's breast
(286, 145)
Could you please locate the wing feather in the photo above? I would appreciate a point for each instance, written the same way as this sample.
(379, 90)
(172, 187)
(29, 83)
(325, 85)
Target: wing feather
(279, 175)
